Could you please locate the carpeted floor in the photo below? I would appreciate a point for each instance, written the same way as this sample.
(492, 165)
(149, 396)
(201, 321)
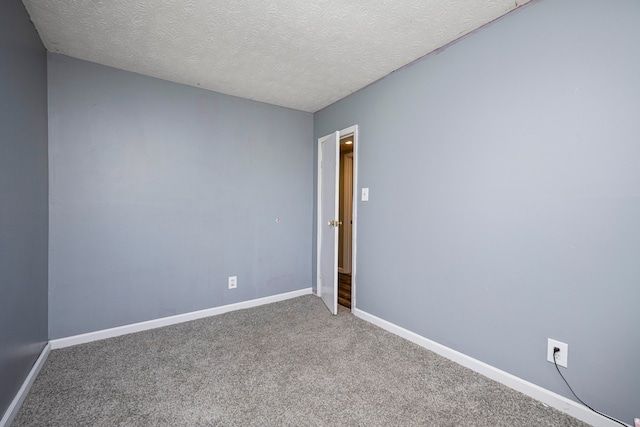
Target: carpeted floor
(285, 364)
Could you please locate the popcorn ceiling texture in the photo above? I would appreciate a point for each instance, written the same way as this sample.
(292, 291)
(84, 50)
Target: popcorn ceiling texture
(293, 53)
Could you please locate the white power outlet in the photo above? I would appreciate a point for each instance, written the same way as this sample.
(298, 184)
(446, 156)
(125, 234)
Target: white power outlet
(233, 282)
(562, 356)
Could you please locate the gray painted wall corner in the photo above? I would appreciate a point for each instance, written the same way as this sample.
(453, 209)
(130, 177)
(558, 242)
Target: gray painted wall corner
(506, 167)
(23, 198)
(160, 191)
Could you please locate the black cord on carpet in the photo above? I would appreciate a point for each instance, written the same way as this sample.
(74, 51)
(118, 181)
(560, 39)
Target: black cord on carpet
(576, 396)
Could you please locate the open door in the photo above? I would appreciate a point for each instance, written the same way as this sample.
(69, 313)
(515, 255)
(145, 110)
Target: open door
(328, 171)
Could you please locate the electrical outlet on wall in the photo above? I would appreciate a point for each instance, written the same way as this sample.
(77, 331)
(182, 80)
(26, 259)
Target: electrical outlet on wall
(233, 282)
(561, 356)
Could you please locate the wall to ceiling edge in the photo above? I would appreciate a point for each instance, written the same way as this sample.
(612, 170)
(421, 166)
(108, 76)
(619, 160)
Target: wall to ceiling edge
(23, 199)
(504, 204)
(160, 191)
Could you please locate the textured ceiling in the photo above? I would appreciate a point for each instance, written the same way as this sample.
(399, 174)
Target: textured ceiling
(294, 53)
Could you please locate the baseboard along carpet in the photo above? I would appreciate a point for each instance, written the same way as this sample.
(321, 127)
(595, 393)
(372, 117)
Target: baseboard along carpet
(289, 363)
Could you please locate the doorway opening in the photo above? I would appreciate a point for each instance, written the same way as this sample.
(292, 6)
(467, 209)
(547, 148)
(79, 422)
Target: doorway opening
(337, 218)
(345, 199)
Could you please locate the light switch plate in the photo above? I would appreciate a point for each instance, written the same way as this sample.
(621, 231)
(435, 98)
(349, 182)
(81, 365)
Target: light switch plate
(365, 194)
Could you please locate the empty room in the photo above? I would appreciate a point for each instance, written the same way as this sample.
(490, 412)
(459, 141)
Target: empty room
(320, 213)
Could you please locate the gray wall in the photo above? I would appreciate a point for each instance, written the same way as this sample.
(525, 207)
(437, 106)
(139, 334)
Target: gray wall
(504, 176)
(23, 198)
(159, 192)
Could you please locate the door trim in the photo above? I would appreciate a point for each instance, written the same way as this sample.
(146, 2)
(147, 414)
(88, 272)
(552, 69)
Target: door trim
(351, 130)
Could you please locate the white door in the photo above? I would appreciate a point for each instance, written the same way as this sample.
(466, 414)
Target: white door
(329, 168)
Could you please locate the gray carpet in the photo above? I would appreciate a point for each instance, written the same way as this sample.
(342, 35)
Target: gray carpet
(285, 364)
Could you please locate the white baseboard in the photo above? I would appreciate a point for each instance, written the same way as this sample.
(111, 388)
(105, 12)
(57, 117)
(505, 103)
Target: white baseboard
(171, 320)
(14, 407)
(543, 395)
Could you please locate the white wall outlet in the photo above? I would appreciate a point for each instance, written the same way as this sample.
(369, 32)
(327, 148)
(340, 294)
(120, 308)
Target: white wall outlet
(233, 282)
(562, 356)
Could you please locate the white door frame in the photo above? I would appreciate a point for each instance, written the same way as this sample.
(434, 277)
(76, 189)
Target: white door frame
(351, 130)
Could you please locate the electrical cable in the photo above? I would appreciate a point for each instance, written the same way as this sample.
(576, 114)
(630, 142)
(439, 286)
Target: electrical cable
(556, 350)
